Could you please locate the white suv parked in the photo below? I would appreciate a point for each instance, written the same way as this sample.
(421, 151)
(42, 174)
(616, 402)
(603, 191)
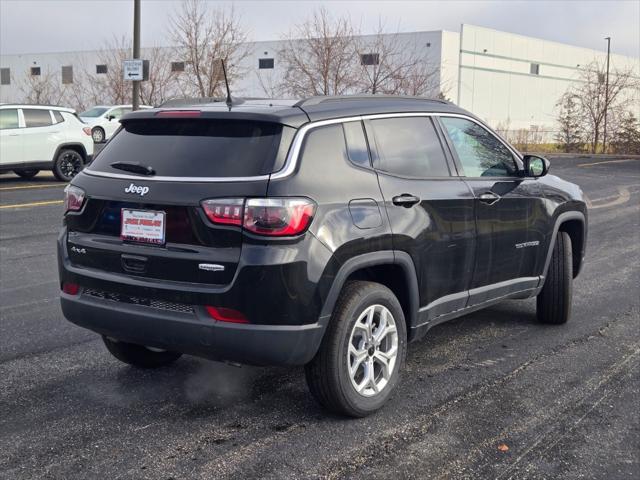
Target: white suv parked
(38, 137)
(104, 120)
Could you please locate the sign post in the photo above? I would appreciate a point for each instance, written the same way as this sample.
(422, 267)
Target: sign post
(136, 54)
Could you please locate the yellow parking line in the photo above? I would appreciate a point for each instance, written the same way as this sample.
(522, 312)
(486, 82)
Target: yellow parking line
(606, 161)
(33, 186)
(32, 204)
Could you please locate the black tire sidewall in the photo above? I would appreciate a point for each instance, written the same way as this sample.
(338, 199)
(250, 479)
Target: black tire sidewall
(554, 301)
(375, 294)
(138, 355)
(27, 173)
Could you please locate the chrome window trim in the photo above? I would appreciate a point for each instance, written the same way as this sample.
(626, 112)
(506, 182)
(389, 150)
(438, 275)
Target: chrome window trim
(291, 161)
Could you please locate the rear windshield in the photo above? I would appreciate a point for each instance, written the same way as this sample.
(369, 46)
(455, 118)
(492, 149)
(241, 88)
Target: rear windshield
(198, 147)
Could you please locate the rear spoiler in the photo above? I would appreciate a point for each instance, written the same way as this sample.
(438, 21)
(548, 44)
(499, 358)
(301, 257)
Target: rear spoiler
(164, 113)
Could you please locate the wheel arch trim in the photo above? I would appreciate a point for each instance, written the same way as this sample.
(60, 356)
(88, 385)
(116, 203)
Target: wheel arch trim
(384, 257)
(560, 220)
(62, 146)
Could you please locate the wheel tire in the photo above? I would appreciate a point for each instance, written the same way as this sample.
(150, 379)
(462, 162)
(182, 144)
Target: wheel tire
(138, 355)
(67, 165)
(97, 134)
(26, 174)
(328, 374)
(554, 301)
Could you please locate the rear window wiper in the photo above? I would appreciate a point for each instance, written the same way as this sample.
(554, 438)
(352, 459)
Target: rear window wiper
(134, 167)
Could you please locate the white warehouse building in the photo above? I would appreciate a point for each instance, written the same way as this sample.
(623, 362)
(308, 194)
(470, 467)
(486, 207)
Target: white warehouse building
(509, 80)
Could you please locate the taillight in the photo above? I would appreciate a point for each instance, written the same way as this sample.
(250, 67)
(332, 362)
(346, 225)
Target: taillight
(226, 211)
(73, 198)
(70, 288)
(223, 314)
(87, 130)
(278, 216)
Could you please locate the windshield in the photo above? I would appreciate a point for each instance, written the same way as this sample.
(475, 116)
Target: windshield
(198, 147)
(94, 112)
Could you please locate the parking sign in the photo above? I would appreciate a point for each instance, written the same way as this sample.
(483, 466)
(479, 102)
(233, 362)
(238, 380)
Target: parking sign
(133, 69)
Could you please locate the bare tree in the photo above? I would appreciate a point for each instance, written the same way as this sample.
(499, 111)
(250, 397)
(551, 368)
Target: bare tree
(110, 88)
(270, 83)
(162, 83)
(626, 137)
(388, 64)
(319, 57)
(43, 89)
(570, 137)
(593, 102)
(203, 37)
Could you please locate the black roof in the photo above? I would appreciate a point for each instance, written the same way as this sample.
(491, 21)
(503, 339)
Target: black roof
(296, 113)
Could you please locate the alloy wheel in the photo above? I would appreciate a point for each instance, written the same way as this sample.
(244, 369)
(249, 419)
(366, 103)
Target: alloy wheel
(70, 164)
(373, 350)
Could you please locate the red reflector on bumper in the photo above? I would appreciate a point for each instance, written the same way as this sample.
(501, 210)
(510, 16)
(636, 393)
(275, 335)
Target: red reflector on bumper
(70, 288)
(226, 315)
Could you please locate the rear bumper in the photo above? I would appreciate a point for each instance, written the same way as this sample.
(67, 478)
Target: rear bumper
(194, 333)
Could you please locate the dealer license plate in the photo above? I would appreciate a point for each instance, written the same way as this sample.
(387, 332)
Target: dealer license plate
(145, 226)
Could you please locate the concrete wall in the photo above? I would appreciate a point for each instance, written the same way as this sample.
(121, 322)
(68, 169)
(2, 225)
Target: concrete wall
(496, 82)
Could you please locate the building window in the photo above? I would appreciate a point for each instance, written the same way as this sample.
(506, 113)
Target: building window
(101, 69)
(265, 63)
(370, 59)
(601, 78)
(5, 76)
(428, 44)
(534, 69)
(35, 71)
(177, 66)
(67, 75)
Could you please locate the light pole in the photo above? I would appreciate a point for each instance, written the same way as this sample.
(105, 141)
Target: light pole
(606, 97)
(136, 52)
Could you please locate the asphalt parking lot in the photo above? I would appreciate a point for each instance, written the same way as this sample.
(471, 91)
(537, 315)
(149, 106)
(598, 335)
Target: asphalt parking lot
(563, 400)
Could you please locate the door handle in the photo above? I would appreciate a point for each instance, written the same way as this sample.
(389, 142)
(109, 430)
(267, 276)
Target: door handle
(405, 200)
(489, 198)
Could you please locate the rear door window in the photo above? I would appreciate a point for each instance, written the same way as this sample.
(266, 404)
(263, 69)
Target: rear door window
(9, 118)
(36, 118)
(198, 147)
(408, 147)
(58, 116)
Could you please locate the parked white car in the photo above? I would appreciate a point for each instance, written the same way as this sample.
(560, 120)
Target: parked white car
(104, 120)
(38, 137)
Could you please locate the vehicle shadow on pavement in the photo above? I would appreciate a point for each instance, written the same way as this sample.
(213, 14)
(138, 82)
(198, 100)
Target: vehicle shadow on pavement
(11, 179)
(197, 387)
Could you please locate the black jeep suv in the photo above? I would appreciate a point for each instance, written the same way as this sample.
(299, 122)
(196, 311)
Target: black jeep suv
(326, 233)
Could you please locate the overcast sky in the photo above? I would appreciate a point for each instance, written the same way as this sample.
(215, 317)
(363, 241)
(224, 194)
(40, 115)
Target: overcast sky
(33, 26)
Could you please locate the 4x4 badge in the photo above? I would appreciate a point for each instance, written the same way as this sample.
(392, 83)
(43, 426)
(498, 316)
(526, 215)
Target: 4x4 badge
(142, 191)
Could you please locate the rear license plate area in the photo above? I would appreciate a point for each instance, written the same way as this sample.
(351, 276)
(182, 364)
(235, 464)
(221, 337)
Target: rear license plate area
(143, 226)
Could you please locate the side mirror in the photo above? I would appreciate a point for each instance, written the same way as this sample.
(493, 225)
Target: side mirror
(535, 166)
(110, 117)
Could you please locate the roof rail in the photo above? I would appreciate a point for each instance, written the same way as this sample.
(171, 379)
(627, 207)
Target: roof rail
(44, 105)
(316, 100)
